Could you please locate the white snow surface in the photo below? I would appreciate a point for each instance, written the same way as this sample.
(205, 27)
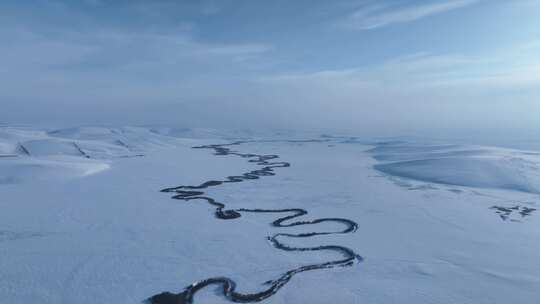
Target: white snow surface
(83, 220)
(473, 166)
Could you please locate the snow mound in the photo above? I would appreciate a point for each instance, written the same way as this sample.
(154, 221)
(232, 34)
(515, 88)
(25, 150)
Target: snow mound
(86, 133)
(134, 139)
(10, 139)
(470, 166)
(14, 134)
(28, 154)
(22, 170)
(197, 133)
(43, 147)
(86, 148)
(7, 148)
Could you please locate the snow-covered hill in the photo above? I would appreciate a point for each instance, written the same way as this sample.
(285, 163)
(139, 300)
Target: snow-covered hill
(472, 166)
(83, 219)
(29, 154)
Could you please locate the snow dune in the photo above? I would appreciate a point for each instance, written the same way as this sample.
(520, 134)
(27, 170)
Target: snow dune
(461, 165)
(14, 171)
(7, 149)
(28, 154)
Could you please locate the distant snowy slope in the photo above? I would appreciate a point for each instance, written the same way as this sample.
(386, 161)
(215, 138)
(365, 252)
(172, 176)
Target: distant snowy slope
(48, 146)
(15, 171)
(133, 139)
(471, 166)
(29, 154)
(199, 133)
(7, 148)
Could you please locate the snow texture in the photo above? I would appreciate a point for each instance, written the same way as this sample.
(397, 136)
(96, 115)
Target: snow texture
(83, 219)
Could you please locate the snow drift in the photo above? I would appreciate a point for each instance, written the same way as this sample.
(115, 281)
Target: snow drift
(471, 166)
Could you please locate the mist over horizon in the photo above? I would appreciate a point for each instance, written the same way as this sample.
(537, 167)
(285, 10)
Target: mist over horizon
(454, 67)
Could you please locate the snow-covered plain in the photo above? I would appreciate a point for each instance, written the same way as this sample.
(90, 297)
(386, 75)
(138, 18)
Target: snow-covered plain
(83, 219)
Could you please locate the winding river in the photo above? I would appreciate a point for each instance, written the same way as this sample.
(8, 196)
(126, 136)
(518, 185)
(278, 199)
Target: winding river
(287, 218)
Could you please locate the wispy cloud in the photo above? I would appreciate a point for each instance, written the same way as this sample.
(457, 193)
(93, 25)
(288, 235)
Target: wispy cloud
(113, 65)
(418, 88)
(500, 69)
(115, 48)
(376, 16)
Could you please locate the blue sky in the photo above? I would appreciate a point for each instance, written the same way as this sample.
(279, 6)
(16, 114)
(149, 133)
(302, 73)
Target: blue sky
(394, 65)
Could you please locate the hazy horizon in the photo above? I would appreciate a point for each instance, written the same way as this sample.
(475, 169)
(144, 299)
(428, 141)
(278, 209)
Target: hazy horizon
(379, 67)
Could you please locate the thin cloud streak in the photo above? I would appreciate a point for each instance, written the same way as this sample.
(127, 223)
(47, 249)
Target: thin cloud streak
(500, 69)
(147, 61)
(376, 16)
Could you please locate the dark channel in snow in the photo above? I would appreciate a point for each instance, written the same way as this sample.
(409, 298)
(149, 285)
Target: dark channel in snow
(228, 285)
(507, 213)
